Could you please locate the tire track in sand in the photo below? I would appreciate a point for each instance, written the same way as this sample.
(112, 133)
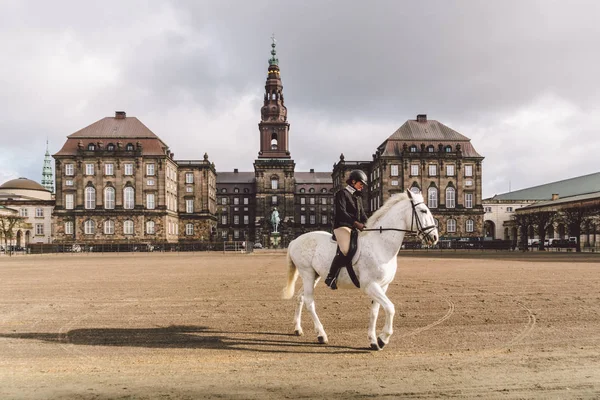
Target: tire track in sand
(448, 314)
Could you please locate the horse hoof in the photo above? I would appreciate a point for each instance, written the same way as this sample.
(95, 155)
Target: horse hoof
(380, 343)
(321, 340)
(375, 347)
(298, 332)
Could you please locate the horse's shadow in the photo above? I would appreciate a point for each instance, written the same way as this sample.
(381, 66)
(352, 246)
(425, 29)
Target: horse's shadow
(187, 337)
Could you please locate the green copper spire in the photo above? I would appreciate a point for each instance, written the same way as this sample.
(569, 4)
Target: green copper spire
(47, 181)
(273, 60)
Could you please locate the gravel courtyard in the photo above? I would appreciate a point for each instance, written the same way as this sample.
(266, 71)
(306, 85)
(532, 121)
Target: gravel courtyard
(212, 325)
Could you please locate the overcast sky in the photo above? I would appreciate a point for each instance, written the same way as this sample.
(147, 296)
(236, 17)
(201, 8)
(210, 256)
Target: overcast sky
(517, 77)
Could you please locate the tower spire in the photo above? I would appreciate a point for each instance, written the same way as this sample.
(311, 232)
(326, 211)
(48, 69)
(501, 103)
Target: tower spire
(274, 60)
(47, 180)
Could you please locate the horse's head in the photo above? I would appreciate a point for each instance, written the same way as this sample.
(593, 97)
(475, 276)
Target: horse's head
(422, 219)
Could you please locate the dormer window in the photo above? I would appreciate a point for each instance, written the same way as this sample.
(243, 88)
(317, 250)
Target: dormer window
(448, 149)
(129, 147)
(430, 149)
(110, 147)
(413, 148)
(91, 147)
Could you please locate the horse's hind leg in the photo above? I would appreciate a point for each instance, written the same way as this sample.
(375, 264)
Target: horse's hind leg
(377, 293)
(309, 302)
(373, 322)
(298, 317)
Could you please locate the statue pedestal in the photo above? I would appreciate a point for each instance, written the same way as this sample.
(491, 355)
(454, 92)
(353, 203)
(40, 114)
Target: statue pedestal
(274, 239)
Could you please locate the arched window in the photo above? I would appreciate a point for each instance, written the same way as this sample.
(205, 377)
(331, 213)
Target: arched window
(90, 198)
(109, 227)
(432, 197)
(274, 183)
(451, 226)
(110, 147)
(450, 197)
(150, 227)
(302, 190)
(223, 190)
(448, 149)
(274, 141)
(236, 190)
(311, 190)
(89, 228)
(128, 198)
(415, 188)
(91, 147)
(469, 225)
(246, 190)
(413, 148)
(430, 149)
(128, 227)
(323, 190)
(129, 147)
(109, 198)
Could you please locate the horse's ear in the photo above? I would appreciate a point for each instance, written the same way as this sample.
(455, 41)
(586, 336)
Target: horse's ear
(409, 193)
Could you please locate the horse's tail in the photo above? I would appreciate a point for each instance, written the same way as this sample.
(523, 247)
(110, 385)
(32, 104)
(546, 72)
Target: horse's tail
(288, 290)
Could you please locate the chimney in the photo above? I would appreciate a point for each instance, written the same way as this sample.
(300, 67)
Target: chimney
(554, 196)
(422, 118)
(235, 170)
(312, 170)
(120, 114)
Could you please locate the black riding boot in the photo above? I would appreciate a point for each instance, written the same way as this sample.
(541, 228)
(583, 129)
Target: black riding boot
(337, 263)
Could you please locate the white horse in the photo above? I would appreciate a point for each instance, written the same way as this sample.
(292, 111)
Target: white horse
(375, 262)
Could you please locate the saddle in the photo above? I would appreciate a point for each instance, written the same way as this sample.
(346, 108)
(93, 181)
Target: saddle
(351, 252)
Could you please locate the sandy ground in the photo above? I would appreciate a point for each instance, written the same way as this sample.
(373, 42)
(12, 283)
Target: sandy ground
(188, 326)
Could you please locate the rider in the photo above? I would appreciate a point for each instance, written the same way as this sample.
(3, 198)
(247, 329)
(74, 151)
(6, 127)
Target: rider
(349, 214)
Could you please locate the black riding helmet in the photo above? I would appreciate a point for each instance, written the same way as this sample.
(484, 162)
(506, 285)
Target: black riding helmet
(357, 175)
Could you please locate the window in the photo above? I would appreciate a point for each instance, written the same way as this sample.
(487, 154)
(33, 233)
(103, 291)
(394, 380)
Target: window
(90, 198)
(128, 198)
(323, 201)
(236, 219)
(128, 227)
(109, 198)
(468, 182)
(450, 197)
(323, 190)
(39, 212)
(302, 190)
(324, 219)
(109, 227)
(274, 183)
(69, 169)
(415, 189)
(509, 209)
(312, 219)
(302, 200)
(224, 201)
(414, 170)
(89, 228)
(236, 234)
(128, 169)
(236, 190)
(69, 228)
(224, 219)
(311, 190)
(150, 227)
(430, 149)
(108, 169)
(189, 229)
(449, 170)
(468, 170)
(223, 190)
(189, 206)
(39, 229)
(451, 225)
(273, 199)
(489, 209)
(394, 183)
(189, 189)
(129, 147)
(91, 147)
(432, 170)
(150, 169)
(469, 225)
(69, 201)
(110, 147)
(448, 149)
(394, 170)
(246, 220)
(236, 201)
(312, 200)
(189, 177)
(469, 200)
(303, 219)
(89, 169)
(245, 201)
(150, 201)
(432, 196)
(413, 149)
(150, 182)
(69, 182)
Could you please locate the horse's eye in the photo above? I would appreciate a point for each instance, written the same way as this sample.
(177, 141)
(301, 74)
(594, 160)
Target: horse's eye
(424, 211)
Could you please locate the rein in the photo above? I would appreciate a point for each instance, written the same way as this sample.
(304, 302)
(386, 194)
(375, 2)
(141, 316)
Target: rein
(420, 229)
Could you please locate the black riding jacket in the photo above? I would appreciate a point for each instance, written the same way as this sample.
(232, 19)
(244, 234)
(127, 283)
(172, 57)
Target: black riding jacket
(348, 208)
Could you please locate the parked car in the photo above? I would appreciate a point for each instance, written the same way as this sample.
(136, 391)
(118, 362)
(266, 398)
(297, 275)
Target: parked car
(257, 245)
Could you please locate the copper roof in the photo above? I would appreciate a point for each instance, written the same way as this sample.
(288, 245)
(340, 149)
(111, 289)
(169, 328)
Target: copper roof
(111, 127)
(565, 188)
(22, 184)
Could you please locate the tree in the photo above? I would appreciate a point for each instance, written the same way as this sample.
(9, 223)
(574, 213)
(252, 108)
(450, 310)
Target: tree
(574, 217)
(9, 222)
(542, 220)
(522, 221)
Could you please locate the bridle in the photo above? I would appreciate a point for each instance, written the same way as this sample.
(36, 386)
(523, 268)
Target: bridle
(422, 231)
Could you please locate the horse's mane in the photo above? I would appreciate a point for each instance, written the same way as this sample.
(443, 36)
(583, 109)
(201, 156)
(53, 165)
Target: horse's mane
(371, 222)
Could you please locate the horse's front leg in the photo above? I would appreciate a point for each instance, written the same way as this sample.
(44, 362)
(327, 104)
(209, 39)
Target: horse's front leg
(377, 293)
(373, 325)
